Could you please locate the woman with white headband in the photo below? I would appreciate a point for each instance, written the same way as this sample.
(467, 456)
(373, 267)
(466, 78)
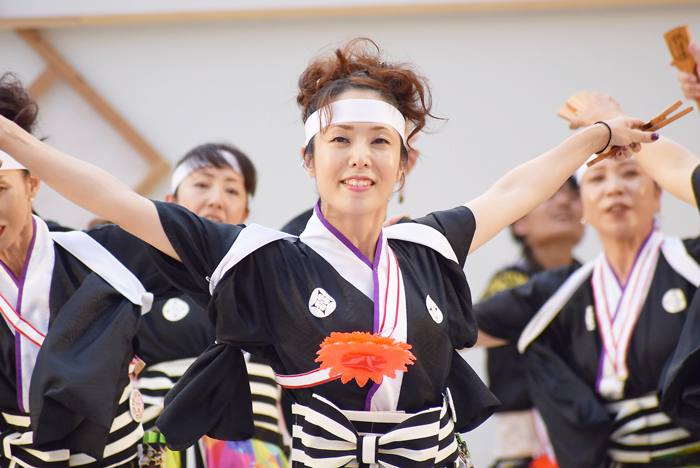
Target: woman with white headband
(360, 323)
(213, 181)
(70, 311)
(597, 338)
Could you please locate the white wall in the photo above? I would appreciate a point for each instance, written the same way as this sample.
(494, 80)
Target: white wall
(499, 78)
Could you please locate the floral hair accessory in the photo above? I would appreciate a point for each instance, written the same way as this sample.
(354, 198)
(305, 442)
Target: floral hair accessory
(363, 356)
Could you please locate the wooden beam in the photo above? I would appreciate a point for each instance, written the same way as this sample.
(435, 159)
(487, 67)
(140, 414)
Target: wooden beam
(159, 166)
(422, 9)
(42, 83)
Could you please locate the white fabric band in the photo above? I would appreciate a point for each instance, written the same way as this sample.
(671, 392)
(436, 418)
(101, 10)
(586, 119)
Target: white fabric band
(9, 163)
(356, 110)
(189, 166)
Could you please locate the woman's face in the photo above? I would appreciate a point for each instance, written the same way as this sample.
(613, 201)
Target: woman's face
(215, 193)
(356, 165)
(557, 219)
(619, 199)
(16, 193)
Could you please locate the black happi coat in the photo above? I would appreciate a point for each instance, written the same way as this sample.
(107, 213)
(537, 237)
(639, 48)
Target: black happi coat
(563, 361)
(262, 306)
(82, 368)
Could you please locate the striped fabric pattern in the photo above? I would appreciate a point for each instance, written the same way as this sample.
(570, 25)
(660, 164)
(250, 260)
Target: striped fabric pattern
(326, 436)
(642, 432)
(155, 381)
(124, 435)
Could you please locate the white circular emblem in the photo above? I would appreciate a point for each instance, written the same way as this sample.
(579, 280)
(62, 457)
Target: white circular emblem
(321, 304)
(590, 318)
(674, 301)
(175, 309)
(136, 405)
(433, 309)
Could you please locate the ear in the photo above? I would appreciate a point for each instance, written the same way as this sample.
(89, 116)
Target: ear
(307, 163)
(520, 227)
(33, 183)
(170, 198)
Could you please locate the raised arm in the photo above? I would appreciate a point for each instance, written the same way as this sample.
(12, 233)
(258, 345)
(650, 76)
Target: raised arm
(525, 187)
(86, 185)
(668, 163)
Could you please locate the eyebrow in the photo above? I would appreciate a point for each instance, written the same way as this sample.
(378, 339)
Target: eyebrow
(350, 126)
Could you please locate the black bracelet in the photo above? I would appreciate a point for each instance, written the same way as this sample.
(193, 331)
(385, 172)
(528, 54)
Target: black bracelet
(609, 137)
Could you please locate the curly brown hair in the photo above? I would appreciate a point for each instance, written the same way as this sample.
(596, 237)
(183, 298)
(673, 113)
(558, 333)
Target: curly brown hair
(360, 65)
(16, 104)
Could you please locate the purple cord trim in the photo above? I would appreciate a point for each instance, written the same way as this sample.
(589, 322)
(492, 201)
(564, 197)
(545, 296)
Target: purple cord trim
(18, 341)
(9, 272)
(370, 395)
(340, 236)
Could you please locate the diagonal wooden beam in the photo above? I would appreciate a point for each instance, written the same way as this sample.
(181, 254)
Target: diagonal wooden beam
(42, 83)
(59, 67)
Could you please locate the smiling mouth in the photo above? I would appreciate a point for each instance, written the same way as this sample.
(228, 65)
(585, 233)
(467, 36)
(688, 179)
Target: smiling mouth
(358, 182)
(617, 208)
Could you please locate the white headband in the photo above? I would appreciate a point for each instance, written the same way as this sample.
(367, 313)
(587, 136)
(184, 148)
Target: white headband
(356, 110)
(9, 163)
(189, 166)
(582, 170)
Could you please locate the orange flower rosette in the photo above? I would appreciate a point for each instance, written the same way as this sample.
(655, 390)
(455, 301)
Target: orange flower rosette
(363, 356)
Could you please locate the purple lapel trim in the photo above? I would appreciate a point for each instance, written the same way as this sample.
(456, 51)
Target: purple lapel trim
(340, 236)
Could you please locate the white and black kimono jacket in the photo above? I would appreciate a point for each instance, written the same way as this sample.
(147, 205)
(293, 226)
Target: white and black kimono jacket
(60, 400)
(264, 305)
(558, 318)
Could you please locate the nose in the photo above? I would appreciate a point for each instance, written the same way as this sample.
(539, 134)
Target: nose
(215, 196)
(360, 154)
(613, 184)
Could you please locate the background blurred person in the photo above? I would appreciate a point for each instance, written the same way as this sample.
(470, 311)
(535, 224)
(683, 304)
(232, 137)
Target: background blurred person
(547, 236)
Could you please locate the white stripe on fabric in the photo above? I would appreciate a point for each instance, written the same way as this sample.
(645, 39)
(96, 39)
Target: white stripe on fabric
(172, 368)
(154, 383)
(369, 446)
(248, 241)
(101, 261)
(189, 456)
(646, 456)
(299, 455)
(153, 400)
(423, 235)
(264, 389)
(17, 420)
(643, 421)
(261, 370)
(624, 408)
(49, 456)
(447, 451)
(265, 409)
(680, 260)
(151, 412)
(126, 393)
(125, 442)
(655, 438)
(121, 421)
(551, 308)
(80, 459)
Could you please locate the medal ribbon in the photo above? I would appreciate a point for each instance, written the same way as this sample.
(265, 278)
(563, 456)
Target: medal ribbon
(617, 308)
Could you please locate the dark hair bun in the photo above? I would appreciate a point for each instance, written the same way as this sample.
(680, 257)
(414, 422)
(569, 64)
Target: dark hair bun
(15, 102)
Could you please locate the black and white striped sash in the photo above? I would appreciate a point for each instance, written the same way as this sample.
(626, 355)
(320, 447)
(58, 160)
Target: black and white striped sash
(326, 436)
(17, 442)
(642, 432)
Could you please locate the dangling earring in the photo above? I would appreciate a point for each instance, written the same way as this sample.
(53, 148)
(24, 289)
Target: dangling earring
(402, 190)
(583, 221)
(31, 200)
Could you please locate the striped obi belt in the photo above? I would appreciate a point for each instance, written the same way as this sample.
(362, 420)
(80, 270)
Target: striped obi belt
(326, 436)
(642, 433)
(18, 449)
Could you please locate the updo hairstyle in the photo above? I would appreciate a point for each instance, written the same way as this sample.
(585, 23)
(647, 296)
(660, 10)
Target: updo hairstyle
(360, 65)
(16, 104)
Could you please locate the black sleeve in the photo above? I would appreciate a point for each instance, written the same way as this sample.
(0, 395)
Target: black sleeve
(505, 314)
(200, 244)
(457, 225)
(693, 245)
